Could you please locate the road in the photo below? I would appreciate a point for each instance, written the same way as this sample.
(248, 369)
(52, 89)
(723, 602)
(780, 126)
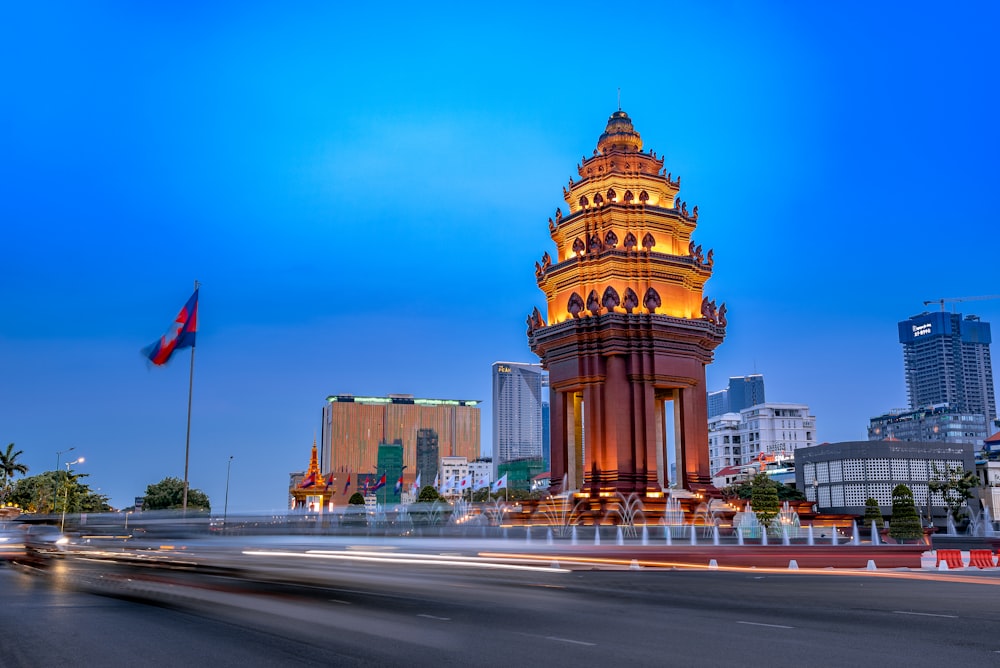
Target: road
(386, 614)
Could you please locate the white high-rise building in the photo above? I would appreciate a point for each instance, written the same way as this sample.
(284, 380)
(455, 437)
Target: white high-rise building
(517, 411)
(773, 429)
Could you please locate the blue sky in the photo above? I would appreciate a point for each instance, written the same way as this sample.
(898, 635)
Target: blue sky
(363, 191)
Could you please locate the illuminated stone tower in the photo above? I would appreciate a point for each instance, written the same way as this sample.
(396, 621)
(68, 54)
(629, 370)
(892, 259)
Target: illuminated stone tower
(628, 331)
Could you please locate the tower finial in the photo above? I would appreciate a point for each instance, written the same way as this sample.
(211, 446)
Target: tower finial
(619, 98)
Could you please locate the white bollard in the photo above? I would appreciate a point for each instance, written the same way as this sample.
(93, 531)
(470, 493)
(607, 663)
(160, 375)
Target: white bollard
(871, 565)
(793, 565)
(713, 565)
(634, 566)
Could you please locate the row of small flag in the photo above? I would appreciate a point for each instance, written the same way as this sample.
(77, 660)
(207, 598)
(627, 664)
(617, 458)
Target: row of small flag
(453, 484)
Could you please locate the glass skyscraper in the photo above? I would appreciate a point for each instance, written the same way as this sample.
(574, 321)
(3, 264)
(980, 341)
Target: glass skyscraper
(517, 411)
(947, 361)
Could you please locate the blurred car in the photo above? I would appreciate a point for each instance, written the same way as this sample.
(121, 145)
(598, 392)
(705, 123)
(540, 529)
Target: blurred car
(11, 541)
(44, 541)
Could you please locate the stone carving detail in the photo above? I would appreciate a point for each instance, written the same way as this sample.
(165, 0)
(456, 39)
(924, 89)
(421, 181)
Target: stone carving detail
(578, 246)
(546, 261)
(538, 271)
(552, 226)
(611, 239)
(612, 195)
(535, 321)
(628, 197)
(595, 245)
(630, 300)
(710, 261)
(677, 203)
(694, 213)
(648, 241)
(598, 200)
(643, 197)
(584, 201)
(593, 305)
(699, 258)
(558, 216)
(684, 209)
(574, 305)
(714, 315)
(630, 241)
(610, 299)
(651, 300)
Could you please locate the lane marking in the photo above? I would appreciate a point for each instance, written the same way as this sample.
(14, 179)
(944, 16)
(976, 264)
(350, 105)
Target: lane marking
(923, 614)
(773, 626)
(440, 619)
(574, 642)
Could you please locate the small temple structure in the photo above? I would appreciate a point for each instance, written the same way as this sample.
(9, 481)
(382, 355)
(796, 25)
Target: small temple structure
(312, 491)
(627, 331)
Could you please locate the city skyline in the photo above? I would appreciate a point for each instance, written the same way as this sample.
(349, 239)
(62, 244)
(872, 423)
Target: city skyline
(363, 207)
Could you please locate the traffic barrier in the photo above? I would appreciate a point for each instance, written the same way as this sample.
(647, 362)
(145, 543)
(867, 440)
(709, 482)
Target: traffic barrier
(981, 558)
(951, 558)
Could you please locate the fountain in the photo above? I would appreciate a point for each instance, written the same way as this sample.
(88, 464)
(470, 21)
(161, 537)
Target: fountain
(763, 538)
(666, 536)
(950, 529)
(694, 534)
(739, 536)
(784, 535)
(597, 534)
(548, 537)
(645, 535)
(875, 538)
(619, 536)
(673, 515)
(562, 513)
(748, 522)
(630, 514)
(787, 519)
(810, 538)
(855, 536)
(572, 536)
(527, 534)
(715, 534)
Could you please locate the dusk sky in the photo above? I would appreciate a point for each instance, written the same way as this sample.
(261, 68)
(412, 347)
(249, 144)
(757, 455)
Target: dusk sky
(363, 191)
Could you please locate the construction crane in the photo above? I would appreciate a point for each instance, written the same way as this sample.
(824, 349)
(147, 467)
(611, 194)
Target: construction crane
(959, 299)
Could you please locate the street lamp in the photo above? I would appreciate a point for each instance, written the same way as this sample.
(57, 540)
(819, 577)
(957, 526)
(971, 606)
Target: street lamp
(225, 507)
(62, 523)
(55, 484)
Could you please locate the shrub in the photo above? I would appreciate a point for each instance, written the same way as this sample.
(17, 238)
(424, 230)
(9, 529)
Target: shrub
(904, 523)
(872, 513)
(356, 499)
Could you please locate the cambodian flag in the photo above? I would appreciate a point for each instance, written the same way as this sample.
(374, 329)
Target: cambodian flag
(329, 481)
(399, 485)
(380, 484)
(180, 335)
(308, 481)
(348, 485)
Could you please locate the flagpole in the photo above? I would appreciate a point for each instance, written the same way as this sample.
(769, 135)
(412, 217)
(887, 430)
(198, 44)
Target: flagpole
(187, 440)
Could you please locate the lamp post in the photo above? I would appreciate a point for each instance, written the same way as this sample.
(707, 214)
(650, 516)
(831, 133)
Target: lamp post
(225, 506)
(62, 523)
(55, 485)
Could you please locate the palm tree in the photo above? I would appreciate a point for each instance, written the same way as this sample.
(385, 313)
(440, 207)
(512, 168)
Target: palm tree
(10, 466)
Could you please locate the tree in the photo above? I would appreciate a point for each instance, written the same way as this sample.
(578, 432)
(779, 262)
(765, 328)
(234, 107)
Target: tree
(764, 498)
(904, 523)
(168, 494)
(8, 467)
(356, 499)
(744, 490)
(428, 494)
(872, 513)
(52, 491)
(955, 486)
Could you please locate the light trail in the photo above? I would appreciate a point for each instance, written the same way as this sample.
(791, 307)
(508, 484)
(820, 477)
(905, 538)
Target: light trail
(418, 560)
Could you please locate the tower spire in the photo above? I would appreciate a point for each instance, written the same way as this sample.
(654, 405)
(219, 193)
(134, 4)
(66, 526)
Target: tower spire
(619, 98)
